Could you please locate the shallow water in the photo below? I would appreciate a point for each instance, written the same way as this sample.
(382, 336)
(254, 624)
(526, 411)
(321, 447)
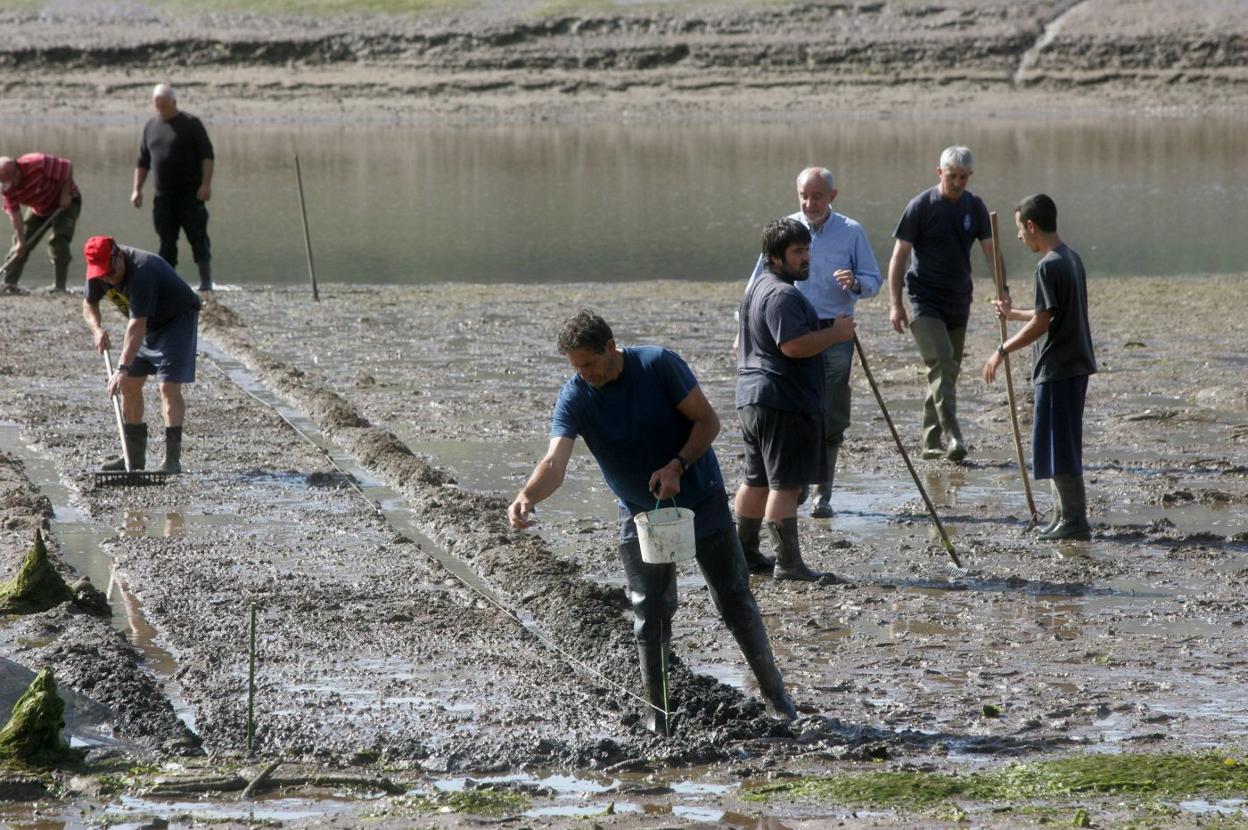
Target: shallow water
(610, 203)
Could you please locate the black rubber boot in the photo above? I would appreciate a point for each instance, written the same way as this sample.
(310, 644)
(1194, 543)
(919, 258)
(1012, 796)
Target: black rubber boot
(748, 531)
(136, 447)
(756, 648)
(173, 451)
(205, 275)
(653, 676)
(1074, 507)
(789, 564)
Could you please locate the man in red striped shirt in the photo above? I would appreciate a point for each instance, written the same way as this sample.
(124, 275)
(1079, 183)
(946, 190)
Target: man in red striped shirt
(45, 185)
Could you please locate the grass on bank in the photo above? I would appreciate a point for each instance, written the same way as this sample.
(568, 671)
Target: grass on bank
(1145, 776)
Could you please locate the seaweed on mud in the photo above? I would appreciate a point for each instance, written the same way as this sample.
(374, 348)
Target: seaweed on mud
(32, 737)
(37, 585)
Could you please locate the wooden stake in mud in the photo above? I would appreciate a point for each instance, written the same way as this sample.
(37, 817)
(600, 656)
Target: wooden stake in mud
(307, 236)
(1009, 379)
(905, 456)
(251, 684)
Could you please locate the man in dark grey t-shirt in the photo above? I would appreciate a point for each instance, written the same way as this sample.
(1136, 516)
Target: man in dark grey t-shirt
(1064, 359)
(935, 235)
(780, 398)
(160, 339)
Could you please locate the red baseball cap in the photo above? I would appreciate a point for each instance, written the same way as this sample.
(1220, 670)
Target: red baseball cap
(99, 255)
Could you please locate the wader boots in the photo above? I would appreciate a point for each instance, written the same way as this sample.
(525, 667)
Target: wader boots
(653, 660)
(789, 564)
(136, 448)
(748, 531)
(755, 647)
(173, 451)
(1073, 510)
(823, 492)
(60, 270)
(205, 275)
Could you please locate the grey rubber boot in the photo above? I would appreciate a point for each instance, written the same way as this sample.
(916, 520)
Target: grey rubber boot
(1057, 508)
(789, 564)
(136, 446)
(823, 492)
(652, 662)
(748, 531)
(1074, 507)
(173, 451)
(60, 276)
(205, 275)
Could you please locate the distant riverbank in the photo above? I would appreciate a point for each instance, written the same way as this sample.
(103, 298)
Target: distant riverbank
(524, 62)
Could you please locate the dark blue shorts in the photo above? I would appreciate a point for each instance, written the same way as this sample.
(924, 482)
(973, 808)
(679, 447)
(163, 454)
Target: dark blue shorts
(169, 351)
(1057, 431)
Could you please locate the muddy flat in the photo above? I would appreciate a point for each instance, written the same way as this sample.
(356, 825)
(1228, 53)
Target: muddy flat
(404, 632)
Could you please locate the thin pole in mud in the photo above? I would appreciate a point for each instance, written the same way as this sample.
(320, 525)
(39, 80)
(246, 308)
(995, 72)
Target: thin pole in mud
(667, 709)
(1009, 377)
(251, 684)
(307, 236)
(905, 456)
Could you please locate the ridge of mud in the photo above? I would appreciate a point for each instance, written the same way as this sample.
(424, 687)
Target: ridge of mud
(88, 655)
(715, 721)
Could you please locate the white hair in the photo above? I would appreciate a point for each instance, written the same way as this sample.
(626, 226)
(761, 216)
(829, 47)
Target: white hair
(164, 91)
(823, 173)
(957, 156)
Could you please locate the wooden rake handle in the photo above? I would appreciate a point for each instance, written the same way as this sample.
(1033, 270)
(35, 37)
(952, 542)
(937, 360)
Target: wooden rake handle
(121, 428)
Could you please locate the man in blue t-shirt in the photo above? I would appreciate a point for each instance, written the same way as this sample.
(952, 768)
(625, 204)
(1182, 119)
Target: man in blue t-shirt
(1064, 359)
(161, 338)
(932, 253)
(650, 428)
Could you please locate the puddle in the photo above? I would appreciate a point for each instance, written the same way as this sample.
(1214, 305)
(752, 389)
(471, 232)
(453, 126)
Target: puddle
(84, 546)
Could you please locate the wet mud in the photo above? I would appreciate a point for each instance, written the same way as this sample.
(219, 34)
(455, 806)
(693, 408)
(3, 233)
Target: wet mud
(370, 652)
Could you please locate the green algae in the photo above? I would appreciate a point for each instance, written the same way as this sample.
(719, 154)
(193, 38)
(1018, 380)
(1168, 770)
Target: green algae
(32, 737)
(37, 586)
(1158, 776)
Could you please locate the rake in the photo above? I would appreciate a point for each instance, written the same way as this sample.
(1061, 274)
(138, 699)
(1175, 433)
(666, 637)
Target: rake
(127, 477)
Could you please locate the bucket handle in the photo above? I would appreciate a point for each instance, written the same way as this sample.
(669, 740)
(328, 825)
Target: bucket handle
(659, 502)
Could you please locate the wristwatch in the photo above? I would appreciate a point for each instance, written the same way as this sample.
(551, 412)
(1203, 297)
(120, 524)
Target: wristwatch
(124, 368)
(1001, 350)
(684, 465)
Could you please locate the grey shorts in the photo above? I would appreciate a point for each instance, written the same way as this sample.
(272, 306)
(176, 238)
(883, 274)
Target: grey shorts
(169, 351)
(782, 449)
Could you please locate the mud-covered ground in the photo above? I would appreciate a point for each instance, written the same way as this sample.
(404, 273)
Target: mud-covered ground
(533, 60)
(376, 658)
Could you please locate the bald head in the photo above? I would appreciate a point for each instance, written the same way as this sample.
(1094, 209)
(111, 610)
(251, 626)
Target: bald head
(815, 194)
(8, 172)
(165, 100)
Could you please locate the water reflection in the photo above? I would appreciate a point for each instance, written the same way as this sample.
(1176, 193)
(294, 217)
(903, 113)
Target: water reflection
(527, 203)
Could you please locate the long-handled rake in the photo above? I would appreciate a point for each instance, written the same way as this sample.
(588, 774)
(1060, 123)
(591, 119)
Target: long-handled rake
(1009, 378)
(905, 456)
(128, 477)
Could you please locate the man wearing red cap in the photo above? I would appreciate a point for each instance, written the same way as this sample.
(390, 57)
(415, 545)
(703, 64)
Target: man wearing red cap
(45, 184)
(160, 339)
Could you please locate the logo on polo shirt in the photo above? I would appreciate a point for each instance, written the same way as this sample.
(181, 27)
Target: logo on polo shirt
(966, 221)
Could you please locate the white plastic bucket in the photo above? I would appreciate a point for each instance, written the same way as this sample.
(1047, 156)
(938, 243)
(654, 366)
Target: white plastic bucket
(666, 535)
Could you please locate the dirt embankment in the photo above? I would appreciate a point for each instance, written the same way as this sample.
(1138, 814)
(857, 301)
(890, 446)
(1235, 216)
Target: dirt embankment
(507, 62)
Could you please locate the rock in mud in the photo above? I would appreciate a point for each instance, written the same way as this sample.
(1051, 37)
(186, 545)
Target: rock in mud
(37, 586)
(33, 734)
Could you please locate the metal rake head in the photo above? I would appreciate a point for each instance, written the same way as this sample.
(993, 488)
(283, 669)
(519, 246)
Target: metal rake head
(129, 478)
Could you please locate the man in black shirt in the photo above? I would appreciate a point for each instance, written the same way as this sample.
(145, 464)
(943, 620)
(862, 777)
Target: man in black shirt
(160, 339)
(176, 148)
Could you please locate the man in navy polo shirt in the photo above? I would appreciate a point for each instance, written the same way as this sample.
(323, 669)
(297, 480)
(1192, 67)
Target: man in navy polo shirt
(650, 428)
(161, 338)
(932, 253)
